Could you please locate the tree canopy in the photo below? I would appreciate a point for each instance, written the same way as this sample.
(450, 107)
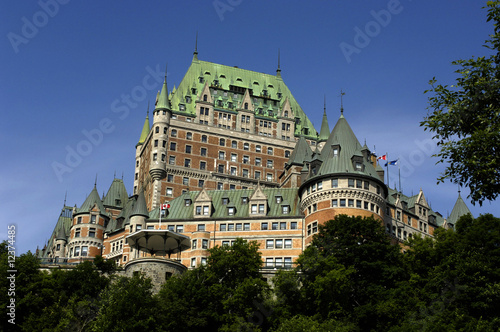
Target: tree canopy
(465, 120)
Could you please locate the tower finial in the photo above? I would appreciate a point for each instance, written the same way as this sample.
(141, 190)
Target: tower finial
(147, 112)
(114, 175)
(324, 104)
(166, 67)
(278, 71)
(65, 195)
(95, 182)
(341, 102)
(195, 53)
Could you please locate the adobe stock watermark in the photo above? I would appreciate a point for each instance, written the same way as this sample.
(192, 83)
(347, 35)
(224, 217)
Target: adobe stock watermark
(30, 28)
(95, 136)
(425, 149)
(222, 6)
(363, 36)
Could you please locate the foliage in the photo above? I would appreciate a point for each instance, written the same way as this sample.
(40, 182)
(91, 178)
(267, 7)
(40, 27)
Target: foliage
(127, 305)
(465, 120)
(223, 295)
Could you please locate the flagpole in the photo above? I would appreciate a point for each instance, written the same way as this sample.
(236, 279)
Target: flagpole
(399, 171)
(159, 226)
(387, 167)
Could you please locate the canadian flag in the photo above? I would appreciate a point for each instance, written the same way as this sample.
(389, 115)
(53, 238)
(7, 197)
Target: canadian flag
(384, 157)
(165, 206)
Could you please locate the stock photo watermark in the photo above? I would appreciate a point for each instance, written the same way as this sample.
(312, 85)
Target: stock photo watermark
(364, 35)
(95, 136)
(31, 27)
(11, 274)
(223, 6)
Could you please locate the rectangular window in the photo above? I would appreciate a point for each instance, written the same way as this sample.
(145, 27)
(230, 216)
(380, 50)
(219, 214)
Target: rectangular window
(269, 163)
(320, 185)
(221, 155)
(92, 232)
(179, 229)
(254, 209)
(225, 243)
(275, 225)
(246, 159)
(350, 183)
(233, 170)
(193, 262)
(223, 227)
(258, 161)
(234, 157)
(315, 207)
(279, 244)
(204, 244)
(188, 149)
(293, 225)
(269, 262)
(92, 219)
(350, 203)
(187, 162)
(77, 251)
(203, 165)
(359, 184)
(230, 227)
(342, 202)
(261, 208)
(230, 211)
(171, 160)
(335, 203)
(282, 225)
(194, 244)
(198, 210)
(171, 228)
(201, 227)
(201, 183)
(246, 226)
(203, 152)
(358, 204)
(85, 251)
(366, 205)
(279, 262)
(173, 146)
(79, 220)
(220, 185)
(206, 210)
(257, 175)
(288, 262)
(269, 244)
(185, 181)
(288, 243)
(367, 185)
(264, 226)
(77, 232)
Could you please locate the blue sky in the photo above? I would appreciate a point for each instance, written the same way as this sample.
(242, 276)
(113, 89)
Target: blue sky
(66, 67)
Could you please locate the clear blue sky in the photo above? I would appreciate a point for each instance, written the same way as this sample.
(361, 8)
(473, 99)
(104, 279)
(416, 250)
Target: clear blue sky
(65, 69)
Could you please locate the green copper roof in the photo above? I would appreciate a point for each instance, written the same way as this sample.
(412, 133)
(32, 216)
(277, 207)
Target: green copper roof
(301, 153)
(145, 130)
(61, 230)
(460, 209)
(202, 72)
(163, 102)
(117, 194)
(325, 128)
(179, 211)
(343, 136)
(92, 199)
(140, 207)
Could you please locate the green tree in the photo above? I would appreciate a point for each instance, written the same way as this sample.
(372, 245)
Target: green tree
(465, 120)
(127, 304)
(348, 275)
(456, 278)
(223, 295)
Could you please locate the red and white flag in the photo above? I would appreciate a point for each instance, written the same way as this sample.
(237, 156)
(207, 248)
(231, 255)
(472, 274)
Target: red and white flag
(384, 157)
(165, 206)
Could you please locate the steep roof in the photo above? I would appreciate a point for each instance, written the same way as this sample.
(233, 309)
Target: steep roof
(178, 209)
(460, 209)
(325, 128)
(243, 79)
(163, 102)
(117, 194)
(145, 130)
(343, 136)
(301, 153)
(140, 207)
(62, 228)
(92, 199)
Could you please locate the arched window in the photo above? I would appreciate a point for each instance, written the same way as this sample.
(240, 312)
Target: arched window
(205, 97)
(286, 114)
(222, 142)
(157, 129)
(246, 106)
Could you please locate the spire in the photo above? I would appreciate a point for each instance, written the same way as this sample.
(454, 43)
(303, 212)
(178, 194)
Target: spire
(195, 53)
(163, 102)
(325, 128)
(95, 182)
(65, 195)
(459, 210)
(278, 71)
(145, 129)
(341, 102)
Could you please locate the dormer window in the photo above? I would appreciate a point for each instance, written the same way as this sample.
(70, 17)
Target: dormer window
(246, 106)
(244, 200)
(278, 199)
(286, 114)
(187, 202)
(358, 166)
(279, 94)
(230, 211)
(335, 152)
(182, 108)
(285, 209)
(225, 200)
(205, 97)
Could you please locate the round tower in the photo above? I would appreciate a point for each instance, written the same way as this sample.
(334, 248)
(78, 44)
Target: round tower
(138, 149)
(158, 157)
(87, 231)
(60, 244)
(341, 180)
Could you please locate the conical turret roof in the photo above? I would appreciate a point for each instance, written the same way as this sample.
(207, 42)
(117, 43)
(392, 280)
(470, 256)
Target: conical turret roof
(145, 130)
(324, 133)
(459, 210)
(301, 153)
(163, 102)
(91, 200)
(140, 207)
(117, 194)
